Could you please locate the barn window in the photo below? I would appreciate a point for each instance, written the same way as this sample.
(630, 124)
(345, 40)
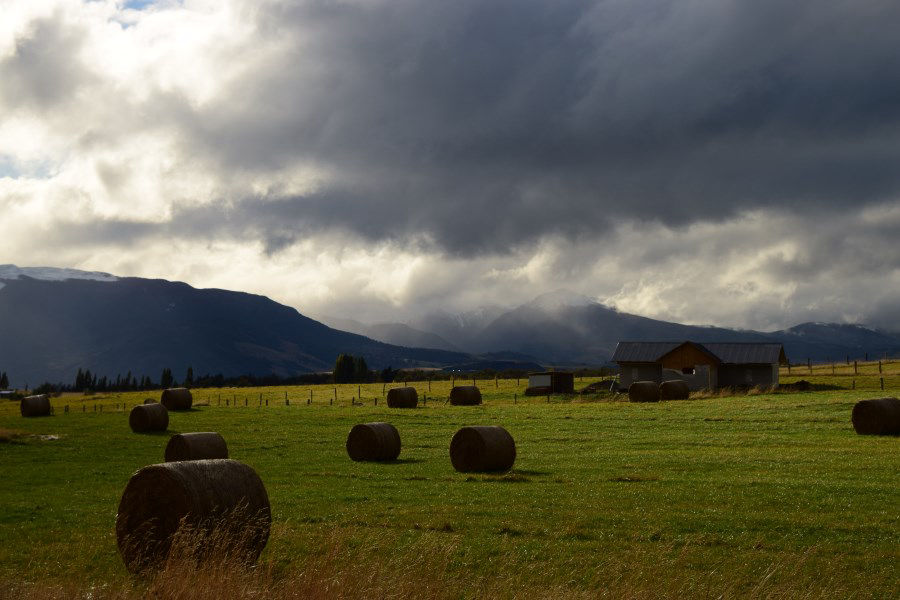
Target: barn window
(687, 370)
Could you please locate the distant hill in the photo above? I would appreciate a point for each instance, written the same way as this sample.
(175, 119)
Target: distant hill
(52, 324)
(55, 321)
(399, 334)
(569, 329)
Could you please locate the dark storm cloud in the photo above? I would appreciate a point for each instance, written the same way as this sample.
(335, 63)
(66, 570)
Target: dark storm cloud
(486, 125)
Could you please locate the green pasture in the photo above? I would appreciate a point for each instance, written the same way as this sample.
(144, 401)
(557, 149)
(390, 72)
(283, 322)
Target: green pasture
(769, 495)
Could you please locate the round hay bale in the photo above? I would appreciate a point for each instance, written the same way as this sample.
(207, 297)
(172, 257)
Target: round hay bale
(405, 397)
(35, 406)
(643, 391)
(149, 401)
(877, 416)
(177, 398)
(465, 395)
(482, 449)
(196, 446)
(222, 500)
(148, 417)
(373, 441)
(674, 389)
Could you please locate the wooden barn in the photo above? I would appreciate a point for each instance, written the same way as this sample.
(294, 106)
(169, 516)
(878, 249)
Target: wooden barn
(550, 382)
(702, 365)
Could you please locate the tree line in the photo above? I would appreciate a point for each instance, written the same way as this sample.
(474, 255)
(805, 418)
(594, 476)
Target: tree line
(347, 369)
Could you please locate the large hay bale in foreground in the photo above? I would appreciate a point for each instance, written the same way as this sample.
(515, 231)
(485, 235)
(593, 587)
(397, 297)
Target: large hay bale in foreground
(405, 397)
(148, 417)
(674, 389)
(482, 449)
(373, 441)
(35, 406)
(465, 395)
(643, 391)
(196, 446)
(222, 501)
(877, 416)
(177, 398)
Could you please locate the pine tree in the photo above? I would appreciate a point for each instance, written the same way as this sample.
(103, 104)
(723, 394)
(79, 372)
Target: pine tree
(343, 369)
(360, 370)
(166, 380)
(189, 377)
(4, 381)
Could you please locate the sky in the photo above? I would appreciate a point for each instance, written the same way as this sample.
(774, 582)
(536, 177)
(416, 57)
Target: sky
(725, 162)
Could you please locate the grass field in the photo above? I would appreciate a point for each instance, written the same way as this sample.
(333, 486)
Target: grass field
(765, 496)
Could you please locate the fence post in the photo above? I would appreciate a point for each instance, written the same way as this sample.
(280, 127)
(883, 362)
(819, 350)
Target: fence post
(879, 366)
(832, 368)
(854, 384)
(856, 367)
(809, 365)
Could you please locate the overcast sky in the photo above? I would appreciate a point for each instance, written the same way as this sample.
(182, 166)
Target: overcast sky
(707, 161)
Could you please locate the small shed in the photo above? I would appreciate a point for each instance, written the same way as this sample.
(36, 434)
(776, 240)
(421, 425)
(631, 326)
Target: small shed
(550, 382)
(707, 365)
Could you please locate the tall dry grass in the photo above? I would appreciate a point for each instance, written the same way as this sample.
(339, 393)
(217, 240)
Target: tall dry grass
(388, 564)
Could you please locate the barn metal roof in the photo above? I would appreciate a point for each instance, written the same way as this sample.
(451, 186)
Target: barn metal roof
(646, 352)
(755, 353)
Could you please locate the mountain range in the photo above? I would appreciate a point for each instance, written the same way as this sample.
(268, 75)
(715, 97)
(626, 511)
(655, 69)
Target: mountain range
(55, 321)
(562, 328)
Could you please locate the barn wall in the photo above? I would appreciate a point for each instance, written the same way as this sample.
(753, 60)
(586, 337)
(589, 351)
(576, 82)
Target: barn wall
(542, 380)
(687, 355)
(631, 372)
(702, 379)
(739, 375)
(563, 383)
